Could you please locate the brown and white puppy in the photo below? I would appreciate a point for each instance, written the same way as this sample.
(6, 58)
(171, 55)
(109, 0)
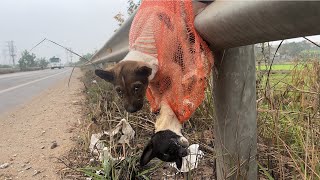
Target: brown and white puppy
(130, 78)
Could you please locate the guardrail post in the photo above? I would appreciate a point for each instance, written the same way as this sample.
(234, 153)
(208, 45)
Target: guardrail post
(236, 125)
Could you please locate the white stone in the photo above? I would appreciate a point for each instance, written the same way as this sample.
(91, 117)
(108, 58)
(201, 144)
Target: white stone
(5, 165)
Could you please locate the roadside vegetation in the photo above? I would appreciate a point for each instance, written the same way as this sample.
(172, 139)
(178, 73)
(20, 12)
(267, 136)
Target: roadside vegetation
(288, 102)
(5, 69)
(27, 62)
(104, 112)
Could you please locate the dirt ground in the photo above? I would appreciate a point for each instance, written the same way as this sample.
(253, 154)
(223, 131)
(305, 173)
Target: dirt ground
(28, 133)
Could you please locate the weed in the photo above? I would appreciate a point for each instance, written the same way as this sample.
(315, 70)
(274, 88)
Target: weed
(288, 129)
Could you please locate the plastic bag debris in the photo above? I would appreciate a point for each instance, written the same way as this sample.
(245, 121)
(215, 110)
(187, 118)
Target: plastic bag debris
(106, 153)
(97, 146)
(126, 131)
(191, 161)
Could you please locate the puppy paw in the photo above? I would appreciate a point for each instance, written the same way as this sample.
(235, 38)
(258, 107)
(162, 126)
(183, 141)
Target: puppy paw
(167, 146)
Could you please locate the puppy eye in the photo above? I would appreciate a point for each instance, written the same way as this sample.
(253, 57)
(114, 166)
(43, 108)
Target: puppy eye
(136, 89)
(119, 91)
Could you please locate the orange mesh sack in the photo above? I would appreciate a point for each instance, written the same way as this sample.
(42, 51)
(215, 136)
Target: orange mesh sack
(165, 30)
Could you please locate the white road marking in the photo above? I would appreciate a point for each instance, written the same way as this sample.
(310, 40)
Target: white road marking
(30, 82)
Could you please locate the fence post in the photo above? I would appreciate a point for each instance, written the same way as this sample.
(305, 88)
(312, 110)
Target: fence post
(235, 104)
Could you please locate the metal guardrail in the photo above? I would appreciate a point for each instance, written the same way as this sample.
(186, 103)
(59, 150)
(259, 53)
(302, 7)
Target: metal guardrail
(116, 47)
(227, 24)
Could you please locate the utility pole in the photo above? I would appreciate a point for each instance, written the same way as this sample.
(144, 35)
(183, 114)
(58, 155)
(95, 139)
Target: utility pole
(70, 54)
(67, 56)
(12, 51)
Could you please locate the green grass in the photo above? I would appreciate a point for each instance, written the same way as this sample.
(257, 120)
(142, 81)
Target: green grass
(284, 67)
(278, 81)
(279, 67)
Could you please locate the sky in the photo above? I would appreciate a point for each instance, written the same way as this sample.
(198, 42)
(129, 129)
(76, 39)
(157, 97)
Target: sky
(82, 25)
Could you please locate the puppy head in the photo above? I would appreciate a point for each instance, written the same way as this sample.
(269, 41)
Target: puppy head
(130, 80)
(166, 146)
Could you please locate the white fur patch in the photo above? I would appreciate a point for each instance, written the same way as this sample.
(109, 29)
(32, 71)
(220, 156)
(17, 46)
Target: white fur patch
(167, 120)
(151, 61)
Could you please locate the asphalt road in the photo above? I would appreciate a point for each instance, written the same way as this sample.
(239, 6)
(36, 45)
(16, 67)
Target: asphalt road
(19, 88)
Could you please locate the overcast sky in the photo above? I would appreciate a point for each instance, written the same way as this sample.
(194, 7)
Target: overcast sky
(83, 25)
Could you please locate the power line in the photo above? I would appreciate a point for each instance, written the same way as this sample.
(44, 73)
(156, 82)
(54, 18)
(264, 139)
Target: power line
(69, 50)
(37, 44)
(312, 42)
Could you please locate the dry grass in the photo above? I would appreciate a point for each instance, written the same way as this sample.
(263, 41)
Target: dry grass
(288, 124)
(288, 131)
(104, 111)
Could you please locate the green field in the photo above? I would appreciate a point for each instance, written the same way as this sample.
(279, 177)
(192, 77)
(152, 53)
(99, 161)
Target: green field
(281, 74)
(279, 67)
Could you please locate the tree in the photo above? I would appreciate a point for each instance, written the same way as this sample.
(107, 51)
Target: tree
(42, 62)
(85, 59)
(132, 6)
(27, 60)
(119, 18)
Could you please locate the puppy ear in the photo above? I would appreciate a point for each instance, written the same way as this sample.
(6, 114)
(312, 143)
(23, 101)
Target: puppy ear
(143, 71)
(147, 154)
(106, 75)
(179, 163)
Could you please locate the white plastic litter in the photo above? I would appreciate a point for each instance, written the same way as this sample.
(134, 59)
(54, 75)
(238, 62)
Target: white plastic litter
(126, 131)
(97, 146)
(191, 161)
(106, 156)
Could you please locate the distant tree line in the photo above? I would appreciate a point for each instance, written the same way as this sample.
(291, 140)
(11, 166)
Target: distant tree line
(303, 50)
(298, 49)
(28, 60)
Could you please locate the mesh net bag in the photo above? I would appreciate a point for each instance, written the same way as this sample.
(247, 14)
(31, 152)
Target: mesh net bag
(165, 30)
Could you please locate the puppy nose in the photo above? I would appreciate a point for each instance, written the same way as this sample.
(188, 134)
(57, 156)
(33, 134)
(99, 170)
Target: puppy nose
(183, 152)
(131, 109)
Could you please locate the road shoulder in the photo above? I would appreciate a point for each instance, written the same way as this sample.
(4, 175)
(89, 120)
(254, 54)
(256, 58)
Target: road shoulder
(29, 133)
